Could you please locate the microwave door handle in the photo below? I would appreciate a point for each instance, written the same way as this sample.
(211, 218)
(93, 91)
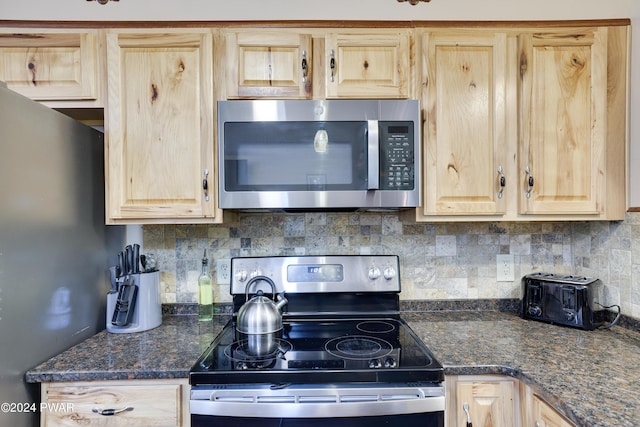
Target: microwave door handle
(373, 155)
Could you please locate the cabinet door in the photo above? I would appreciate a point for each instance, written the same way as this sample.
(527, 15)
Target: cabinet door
(275, 65)
(545, 416)
(465, 151)
(374, 65)
(141, 403)
(49, 66)
(491, 402)
(159, 125)
(563, 95)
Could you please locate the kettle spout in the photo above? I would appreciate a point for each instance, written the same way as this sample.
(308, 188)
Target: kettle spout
(281, 301)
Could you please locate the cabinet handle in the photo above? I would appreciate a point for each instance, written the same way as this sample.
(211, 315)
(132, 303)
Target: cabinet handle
(304, 66)
(205, 185)
(530, 181)
(332, 64)
(465, 408)
(503, 181)
(107, 412)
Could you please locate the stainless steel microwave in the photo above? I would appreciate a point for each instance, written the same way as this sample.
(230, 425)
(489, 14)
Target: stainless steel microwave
(319, 154)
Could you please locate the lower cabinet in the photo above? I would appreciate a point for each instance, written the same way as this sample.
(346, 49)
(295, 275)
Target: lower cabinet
(496, 401)
(539, 413)
(162, 403)
(487, 401)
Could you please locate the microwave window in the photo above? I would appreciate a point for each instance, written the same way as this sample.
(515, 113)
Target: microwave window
(295, 156)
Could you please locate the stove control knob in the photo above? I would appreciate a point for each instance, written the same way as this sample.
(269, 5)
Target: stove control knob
(389, 273)
(374, 273)
(242, 275)
(569, 316)
(534, 310)
(374, 364)
(390, 362)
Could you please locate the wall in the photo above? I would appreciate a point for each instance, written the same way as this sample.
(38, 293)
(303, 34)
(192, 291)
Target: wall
(438, 261)
(157, 10)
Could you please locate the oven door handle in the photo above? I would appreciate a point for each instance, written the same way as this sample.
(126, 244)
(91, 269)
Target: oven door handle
(352, 406)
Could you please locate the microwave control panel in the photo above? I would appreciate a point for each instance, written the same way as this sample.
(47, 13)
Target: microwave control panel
(397, 156)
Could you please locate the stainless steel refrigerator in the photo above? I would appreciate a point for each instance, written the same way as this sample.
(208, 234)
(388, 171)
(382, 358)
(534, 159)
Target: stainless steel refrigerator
(54, 247)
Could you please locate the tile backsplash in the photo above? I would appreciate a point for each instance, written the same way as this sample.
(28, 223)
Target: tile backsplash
(438, 261)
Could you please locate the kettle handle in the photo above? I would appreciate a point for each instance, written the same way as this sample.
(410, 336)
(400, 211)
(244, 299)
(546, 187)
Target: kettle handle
(255, 279)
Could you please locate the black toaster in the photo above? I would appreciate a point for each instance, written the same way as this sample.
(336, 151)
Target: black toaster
(560, 299)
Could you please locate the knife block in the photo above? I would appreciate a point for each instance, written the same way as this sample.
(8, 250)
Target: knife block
(147, 307)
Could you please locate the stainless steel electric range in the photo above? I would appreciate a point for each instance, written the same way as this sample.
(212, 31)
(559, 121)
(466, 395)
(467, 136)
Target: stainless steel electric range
(344, 354)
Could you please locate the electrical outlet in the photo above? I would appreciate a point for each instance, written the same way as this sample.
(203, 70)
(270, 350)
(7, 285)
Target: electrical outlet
(223, 271)
(505, 268)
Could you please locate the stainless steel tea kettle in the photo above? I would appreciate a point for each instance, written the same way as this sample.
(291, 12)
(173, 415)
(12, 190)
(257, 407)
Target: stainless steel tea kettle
(261, 315)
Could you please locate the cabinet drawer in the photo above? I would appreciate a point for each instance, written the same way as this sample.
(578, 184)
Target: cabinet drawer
(153, 405)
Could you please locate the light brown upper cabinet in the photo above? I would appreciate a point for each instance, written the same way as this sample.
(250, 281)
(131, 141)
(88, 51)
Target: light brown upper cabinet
(317, 63)
(159, 126)
(268, 64)
(524, 124)
(374, 64)
(465, 154)
(563, 108)
(53, 65)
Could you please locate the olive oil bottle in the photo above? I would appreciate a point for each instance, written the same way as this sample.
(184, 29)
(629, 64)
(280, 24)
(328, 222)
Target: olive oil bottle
(205, 292)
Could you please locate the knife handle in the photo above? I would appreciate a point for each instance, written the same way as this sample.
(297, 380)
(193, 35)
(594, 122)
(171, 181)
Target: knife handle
(120, 268)
(128, 259)
(136, 259)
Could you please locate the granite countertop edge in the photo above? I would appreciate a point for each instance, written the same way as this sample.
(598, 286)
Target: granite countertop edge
(70, 376)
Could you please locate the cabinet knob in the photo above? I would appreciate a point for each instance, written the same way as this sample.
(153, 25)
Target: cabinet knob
(530, 181)
(332, 64)
(502, 181)
(304, 66)
(205, 184)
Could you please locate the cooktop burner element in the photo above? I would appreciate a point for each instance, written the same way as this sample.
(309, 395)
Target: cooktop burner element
(358, 347)
(376, 327)
(239, 351)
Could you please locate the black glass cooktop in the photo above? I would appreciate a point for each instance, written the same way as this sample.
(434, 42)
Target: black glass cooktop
(320, 351)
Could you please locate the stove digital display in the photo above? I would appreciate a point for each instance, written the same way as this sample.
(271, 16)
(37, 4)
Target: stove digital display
(315, 273)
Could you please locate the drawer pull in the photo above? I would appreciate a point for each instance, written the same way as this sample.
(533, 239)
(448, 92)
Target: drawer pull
(465, 408)
(107, 412)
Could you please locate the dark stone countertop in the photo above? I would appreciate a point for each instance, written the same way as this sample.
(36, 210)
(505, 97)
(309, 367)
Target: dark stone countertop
(593, 377)
(167, 351)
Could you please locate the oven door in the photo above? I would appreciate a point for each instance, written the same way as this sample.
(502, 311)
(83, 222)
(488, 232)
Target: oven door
(298, 406)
